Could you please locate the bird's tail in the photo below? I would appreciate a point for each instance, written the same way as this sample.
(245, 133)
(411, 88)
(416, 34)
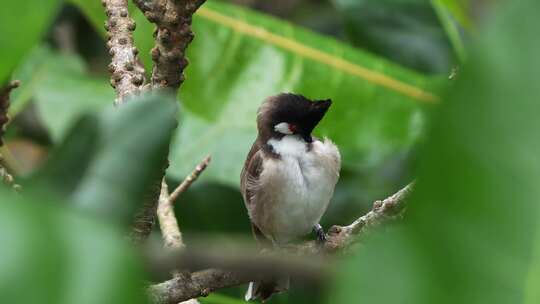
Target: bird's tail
(264, 289)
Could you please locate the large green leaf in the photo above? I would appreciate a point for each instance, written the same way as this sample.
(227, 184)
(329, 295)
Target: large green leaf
(51, 256)
(22, 23)
(61, 88)
(240, 57)
(471, 230)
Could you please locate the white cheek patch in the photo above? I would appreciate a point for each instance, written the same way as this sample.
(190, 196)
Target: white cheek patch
(283, 128)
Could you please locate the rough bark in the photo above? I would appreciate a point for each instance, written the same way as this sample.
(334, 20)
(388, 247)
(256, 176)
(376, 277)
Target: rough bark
(172, 35)
(127, 73)
(5, 92)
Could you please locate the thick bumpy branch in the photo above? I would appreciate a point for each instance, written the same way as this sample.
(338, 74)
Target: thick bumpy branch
(4, 105)
(201, 283)
(172, 35)
(7, 178)
(5, 92)
(127, 73)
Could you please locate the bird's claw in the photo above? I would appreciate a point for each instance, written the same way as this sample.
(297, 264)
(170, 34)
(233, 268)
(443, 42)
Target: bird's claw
(319, 231)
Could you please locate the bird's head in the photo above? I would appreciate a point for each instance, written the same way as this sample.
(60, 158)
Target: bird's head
(288, 114)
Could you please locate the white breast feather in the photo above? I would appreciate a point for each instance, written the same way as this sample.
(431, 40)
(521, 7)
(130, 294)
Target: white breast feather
(303, 183)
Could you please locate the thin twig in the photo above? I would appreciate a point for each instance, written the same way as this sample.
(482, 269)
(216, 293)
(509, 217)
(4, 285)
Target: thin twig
(201, 283)
(165, 211)
(190, 179)
(173, 34)
(170, 231)
(128, 74)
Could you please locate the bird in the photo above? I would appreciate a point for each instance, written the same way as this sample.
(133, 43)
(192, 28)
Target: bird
(288, 177)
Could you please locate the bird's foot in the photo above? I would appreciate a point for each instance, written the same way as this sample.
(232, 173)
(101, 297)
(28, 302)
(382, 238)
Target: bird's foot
(319, 232)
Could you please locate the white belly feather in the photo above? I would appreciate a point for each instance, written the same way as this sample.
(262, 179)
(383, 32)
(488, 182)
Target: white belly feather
(303, 183)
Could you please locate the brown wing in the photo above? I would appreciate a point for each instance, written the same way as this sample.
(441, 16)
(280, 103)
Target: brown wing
(250, 173)
(248, 184)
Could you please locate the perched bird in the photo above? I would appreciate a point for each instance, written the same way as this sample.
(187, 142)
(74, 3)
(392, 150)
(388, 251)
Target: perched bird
(288, 177)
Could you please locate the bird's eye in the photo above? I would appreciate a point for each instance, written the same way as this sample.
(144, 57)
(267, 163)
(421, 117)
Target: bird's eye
(285, 128)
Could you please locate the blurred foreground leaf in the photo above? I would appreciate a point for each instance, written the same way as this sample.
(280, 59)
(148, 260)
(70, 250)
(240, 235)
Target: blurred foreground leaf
(134, 145)
(52, 256)
(22, 23)
(240, 57)
(107, 164)
(471, 230)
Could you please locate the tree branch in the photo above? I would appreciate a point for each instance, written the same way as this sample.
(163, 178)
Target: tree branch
(201, 283)
(7, 178)
(170, 231)
(4, 106)
(172, 35)
(5, 92)
(198, 284)
(165, 210)
(190, 179)
(127, 73)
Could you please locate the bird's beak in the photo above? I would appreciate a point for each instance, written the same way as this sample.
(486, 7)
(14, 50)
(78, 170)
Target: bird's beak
(322, 105)
(319, 108)
(317, 112)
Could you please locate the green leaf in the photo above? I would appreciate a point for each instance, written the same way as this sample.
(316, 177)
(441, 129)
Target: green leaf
(133, 147)
(69, 161)
(22, 24)
(52, 256)
(240, 57)
(451, 28)
(216, 298)
(460, 10)
(94, 12)
(405, 31)
(61, 89)
(471, 229)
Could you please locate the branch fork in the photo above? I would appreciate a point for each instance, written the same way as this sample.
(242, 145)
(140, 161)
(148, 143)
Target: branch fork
(201, 283)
